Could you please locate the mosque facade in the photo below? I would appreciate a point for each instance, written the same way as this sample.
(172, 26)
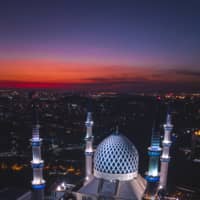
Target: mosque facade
(112, 170)
(115, 175)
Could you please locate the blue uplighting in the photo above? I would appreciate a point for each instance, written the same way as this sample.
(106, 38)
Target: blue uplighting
(154, 153)
(37, 165)
(152, 179)
(88, 153)
(167, 144)
(168, 128)
(38, 187)
(35, 143)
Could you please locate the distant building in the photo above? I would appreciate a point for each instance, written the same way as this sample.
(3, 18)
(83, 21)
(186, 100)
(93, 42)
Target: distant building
(195, 146)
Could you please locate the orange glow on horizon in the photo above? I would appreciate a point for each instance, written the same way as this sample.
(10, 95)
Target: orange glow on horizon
(48, 73)
(63, 72)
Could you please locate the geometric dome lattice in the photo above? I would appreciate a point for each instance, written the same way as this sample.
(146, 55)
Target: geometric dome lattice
(116, 155)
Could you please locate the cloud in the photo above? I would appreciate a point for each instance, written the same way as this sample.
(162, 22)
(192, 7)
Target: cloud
(188, 72)
(116, 80)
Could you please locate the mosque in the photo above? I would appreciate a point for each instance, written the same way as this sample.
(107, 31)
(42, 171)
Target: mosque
(111, 171)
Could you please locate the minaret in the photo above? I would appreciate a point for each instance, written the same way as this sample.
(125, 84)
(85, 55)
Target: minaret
(152, 176)
(165, 158)
(89, 147)
(38, 184)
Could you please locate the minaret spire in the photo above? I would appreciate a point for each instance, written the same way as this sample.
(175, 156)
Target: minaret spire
(88, 147)
(117, 130)
(165, 158)
(38, 184)
(154, 152)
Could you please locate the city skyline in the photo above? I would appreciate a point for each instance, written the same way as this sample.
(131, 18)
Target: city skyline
(100, 45)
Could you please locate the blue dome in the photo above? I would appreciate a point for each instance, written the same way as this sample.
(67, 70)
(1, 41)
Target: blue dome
(116, 157)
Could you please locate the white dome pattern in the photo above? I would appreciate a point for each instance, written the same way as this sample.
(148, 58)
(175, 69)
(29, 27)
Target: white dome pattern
(116, 155)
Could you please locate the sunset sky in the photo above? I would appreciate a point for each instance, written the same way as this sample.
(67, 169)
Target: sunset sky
(132, 45)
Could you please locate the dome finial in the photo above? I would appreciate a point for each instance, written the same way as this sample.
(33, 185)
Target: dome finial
(117, 130)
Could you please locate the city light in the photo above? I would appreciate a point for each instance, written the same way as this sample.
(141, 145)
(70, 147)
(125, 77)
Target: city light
(197, 133)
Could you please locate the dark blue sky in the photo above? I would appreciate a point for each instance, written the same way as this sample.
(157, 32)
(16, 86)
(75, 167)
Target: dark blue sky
(152, 33)
(166, 32)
